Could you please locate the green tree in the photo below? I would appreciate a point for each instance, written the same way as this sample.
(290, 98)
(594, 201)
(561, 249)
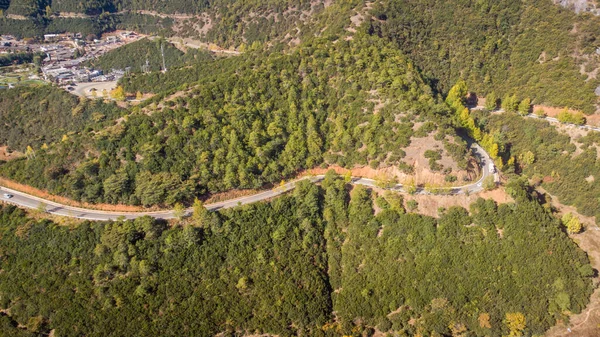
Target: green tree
(540, 112)
(489, 183)
(149, 189)
(199, 213)
(510, 103)
(114, 186)
(458, 94)
(525, 107)
(527, 158)
(42, 207)
(178, 211)
(491, 101)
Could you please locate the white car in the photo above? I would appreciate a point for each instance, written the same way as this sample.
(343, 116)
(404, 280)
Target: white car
(8, 196)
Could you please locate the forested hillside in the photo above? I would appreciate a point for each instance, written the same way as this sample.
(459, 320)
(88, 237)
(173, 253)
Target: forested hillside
(135, 55)
(284, 267)
(534, 48)
(530, 48)
(566, 168)
(257, 119)
(94, 26)
(32, 7)
(33, 116)
(317, 84)
(225, 22)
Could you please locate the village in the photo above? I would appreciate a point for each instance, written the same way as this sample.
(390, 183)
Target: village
(65, 59)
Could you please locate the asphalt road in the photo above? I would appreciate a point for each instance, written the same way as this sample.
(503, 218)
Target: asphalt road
(28, 201)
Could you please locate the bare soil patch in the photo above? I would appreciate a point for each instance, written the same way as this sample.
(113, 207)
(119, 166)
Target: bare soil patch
(7, 155)
(233, 194)
(554, 111)
(423, 175)
(429, 204)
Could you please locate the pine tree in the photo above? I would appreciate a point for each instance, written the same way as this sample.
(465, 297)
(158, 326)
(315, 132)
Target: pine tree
(178, 211)
(525, 107)
(491, 101)
(199, 213)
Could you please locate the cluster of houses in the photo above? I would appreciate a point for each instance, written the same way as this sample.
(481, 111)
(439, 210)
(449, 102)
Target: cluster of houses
(67, 55)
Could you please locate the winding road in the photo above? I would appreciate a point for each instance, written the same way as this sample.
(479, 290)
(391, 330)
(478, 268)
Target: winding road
(29, 201)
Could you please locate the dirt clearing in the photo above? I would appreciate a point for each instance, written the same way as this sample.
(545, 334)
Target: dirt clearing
(7, 155)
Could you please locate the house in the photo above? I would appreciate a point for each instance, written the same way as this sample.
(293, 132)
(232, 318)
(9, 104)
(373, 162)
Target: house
(65, 77)
(51, 37)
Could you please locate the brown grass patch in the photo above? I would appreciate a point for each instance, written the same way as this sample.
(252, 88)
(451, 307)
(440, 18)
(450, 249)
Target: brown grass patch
(233, 194)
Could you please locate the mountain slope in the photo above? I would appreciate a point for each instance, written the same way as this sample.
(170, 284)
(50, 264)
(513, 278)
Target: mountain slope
(315, 263)
(531, 48)
(258, 119)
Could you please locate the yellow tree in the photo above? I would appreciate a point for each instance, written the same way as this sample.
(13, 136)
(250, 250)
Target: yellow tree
(457, 93)
(493, 150)
(527, 158)
(118, 93)
(348, 177)
(29, 152)
(516, 323)
(572, 223)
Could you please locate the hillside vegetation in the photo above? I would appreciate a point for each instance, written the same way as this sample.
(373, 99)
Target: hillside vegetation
(284, 267)
(135, 55)
(566, 168)
(260, 120)
(534, 48)
(33, 116)
(531, 48)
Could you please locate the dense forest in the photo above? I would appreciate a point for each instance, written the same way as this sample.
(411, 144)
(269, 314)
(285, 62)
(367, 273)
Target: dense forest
(313, 87)
(534, 48)
(34, 116)
(19, 58)
(88, 26)
(135, 55)
(35, 7)
(529, 48)
(284, 267)
(228, 22)
(259, 120)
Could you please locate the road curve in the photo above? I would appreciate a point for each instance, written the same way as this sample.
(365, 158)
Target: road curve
(28, 201)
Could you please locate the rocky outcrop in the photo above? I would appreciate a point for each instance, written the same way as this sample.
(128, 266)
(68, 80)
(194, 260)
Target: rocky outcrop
(579, 6)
